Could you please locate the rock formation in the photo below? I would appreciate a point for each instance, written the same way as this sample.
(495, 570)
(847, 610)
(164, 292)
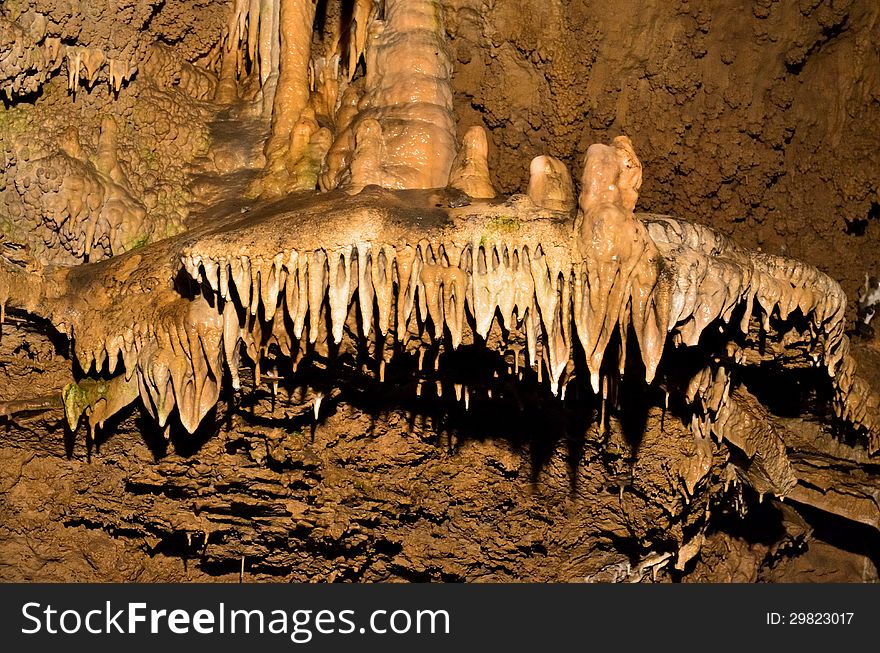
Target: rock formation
(310, 219)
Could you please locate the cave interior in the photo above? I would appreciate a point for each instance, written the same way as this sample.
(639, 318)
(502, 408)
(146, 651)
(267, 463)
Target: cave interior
(439, 290)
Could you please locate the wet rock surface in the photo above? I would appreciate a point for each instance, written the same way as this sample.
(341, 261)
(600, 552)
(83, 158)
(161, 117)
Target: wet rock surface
(245, 339)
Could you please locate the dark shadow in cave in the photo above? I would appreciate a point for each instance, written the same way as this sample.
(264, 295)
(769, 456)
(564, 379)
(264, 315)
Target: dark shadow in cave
(790, 392)
(633, 397)
(20, 98)
(859, 226)
(843, 534)
(522, 411)
(173, 436)
(29, 323)
(761, 523)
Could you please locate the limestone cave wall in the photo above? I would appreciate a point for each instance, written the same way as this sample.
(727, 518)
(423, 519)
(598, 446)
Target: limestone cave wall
(139, 138)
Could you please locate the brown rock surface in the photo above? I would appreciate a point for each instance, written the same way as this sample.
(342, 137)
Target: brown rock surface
(222, 352)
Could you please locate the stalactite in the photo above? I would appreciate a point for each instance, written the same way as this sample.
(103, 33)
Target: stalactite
(404, 133)
(291, 95)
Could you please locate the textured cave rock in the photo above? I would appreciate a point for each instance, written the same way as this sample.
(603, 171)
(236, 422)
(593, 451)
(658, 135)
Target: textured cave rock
(363, 291)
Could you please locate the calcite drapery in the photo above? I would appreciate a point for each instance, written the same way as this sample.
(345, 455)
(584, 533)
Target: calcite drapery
(437, 272)
(422, 267)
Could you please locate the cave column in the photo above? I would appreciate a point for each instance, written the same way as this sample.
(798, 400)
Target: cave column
(297, 19)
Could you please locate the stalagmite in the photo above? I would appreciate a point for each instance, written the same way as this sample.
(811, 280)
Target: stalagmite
(470, 170)
(227, 86)
(550, 184)
(269, 42)
(107, 159)
(304, 156)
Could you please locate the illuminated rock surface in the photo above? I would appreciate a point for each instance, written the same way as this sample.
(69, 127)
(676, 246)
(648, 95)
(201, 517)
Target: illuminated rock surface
(267, 297)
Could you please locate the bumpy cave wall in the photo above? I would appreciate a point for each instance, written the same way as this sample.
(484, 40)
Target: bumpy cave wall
(761, 123)
(759, 119)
